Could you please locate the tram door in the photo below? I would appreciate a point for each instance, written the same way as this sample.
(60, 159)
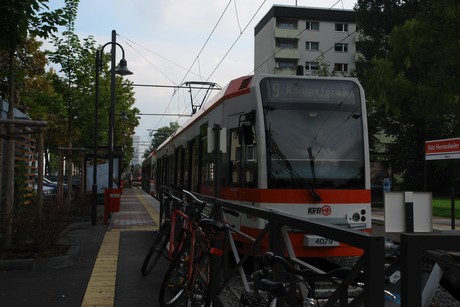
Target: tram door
(243, 155)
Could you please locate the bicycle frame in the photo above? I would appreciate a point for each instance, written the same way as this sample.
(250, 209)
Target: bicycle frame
(172, 242)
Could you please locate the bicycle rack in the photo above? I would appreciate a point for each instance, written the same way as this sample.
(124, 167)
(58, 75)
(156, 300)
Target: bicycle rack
(412, 247)
(371, 263)
(372, 260)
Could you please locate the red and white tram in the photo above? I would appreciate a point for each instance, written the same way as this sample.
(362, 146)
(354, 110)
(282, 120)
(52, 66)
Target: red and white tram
(297, 144)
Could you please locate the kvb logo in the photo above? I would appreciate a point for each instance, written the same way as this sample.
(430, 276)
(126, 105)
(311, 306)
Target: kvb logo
(323, 210)
(326, 210)
(314, 210)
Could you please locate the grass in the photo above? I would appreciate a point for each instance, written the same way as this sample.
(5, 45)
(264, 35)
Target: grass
(442, 207)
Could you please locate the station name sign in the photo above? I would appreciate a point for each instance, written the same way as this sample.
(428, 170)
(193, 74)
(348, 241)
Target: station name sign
(442, 149)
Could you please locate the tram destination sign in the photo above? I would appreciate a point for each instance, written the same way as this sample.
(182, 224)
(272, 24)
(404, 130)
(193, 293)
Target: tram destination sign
(313, 90)
(442, 149)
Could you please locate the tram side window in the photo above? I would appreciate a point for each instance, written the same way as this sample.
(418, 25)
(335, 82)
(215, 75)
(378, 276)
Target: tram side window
(207, 168)
(251, 166)
(235, 159)
(179, 166)
(186, 164)
(196, 165)
(170, 170)
(164, 170)
(176, 166)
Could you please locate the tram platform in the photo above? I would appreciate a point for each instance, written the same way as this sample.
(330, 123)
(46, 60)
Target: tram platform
(107, 269)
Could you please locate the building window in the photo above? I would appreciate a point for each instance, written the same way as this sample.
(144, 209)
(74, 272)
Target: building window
(341, 27)
(340, 47)
(286, 24)
(309, 66)
(286, 44)
(312, 25)
(312, 46)
(341, 67)
(286, 65)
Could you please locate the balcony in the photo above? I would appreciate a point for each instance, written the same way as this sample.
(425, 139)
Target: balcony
(285, 71)
(287, 53)
(287, 33)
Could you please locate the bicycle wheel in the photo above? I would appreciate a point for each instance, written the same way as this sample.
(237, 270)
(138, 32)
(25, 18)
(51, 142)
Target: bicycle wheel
(200, 293)
(157, 250)
(174, 287)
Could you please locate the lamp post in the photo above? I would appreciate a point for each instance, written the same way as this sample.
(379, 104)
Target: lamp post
(122, 70)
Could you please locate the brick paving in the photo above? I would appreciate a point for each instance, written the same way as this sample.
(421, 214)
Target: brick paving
(136, 213)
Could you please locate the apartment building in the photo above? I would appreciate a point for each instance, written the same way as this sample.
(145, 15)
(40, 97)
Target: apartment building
(292, 36)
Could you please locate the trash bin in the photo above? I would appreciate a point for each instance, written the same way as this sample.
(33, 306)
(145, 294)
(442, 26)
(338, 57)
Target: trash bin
(114, 199)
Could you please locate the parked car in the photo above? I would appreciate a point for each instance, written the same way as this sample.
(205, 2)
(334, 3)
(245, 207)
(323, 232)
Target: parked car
(49, 191)
(65, 187)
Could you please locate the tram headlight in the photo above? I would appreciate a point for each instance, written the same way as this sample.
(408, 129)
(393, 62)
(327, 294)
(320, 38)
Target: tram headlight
(356, 217)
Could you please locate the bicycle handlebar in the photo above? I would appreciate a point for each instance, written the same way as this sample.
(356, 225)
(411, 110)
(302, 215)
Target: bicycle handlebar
(270, 259)
(182, 190)
(196, 199)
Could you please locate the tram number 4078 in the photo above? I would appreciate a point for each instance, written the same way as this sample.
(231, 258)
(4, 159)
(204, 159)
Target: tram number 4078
(310, 240)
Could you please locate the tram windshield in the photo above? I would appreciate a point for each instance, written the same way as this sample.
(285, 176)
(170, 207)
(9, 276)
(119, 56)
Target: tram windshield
(314, 133)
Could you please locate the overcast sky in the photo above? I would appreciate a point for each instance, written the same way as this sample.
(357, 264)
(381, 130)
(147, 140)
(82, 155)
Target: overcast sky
(170, 42)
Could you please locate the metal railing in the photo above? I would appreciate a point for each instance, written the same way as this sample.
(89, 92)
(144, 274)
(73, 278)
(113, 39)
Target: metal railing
(370, 264)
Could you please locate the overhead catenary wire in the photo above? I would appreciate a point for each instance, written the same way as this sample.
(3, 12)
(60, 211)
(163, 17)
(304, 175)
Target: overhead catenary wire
(236, 40)
(206, 42)
(197, 58)
(126, 40)
(237, 17)
(145, 58)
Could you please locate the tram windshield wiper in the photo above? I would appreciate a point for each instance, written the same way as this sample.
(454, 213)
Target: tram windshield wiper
(284, 163)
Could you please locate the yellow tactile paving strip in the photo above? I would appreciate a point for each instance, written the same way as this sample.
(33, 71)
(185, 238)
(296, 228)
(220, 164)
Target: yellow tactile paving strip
(152, 212)
(101, 286)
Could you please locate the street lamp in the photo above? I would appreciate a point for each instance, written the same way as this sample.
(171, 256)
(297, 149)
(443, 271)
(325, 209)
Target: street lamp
(122, 70)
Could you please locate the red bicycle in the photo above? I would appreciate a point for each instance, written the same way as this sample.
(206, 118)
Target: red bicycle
(188, 280)
(168, 240)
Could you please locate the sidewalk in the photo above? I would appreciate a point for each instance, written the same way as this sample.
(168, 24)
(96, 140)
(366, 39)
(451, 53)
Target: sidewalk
(116, 278)
(107, 269)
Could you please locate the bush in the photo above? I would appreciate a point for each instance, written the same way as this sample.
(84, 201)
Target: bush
(32, 231)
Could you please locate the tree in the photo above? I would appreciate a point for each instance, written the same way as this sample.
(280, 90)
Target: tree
(160, 135)
(323, 68)
(19, 19)
(77, 61)
(413, 85)
(41, 101)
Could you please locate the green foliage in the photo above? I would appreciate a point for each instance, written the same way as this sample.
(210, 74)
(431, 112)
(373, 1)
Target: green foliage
(23, 18)
(160, 135)
(323, 68)
(76, 82)
(411, 81)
